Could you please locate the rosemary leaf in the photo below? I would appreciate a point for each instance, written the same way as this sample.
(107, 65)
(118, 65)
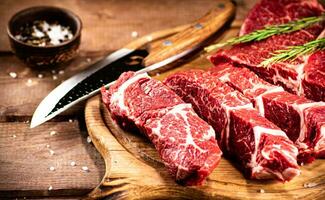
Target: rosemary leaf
(292, 52)
(269, 31)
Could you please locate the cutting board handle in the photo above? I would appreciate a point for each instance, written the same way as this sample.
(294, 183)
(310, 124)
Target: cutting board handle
(193, 36)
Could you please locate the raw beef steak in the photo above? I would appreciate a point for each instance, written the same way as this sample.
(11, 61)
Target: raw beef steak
(260, 148)
(185, 142)
(313, 83)
(297, 116)
(296, 77)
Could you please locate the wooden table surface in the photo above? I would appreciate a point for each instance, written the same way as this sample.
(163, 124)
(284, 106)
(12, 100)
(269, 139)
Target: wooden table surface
(26, 155)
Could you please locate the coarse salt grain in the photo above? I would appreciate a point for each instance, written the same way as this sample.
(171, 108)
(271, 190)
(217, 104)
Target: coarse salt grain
(70, 120)
(88, 60)
(50, 188)
(61, 72)
(85, 168)
(14, 136)
(47, 146)
(52, 168)
(53, 71)
(51, 152)
(73, 163)
(58, 33)
(134, 34)
(310, 185)
(13, 74)
(52, 133)
(37, 33)
(88, 139)
(54, 77)
(29, 82)
(18, 37)
(262, 191)
(149, 38)
(40, 75)
(43, 44)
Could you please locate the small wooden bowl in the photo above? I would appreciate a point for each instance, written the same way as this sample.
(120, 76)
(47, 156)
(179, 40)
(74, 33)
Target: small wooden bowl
(35, 55)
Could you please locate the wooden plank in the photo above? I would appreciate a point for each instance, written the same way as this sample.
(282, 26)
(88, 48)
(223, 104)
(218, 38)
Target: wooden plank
(25, 160)
(108, 24)
(23, 98)
(20, 97)
(16, 104)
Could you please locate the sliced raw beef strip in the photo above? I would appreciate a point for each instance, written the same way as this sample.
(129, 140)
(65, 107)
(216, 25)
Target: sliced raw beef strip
(185, 143)
(297, 116)
(258, 146)
(313, 83)
(291, 75)
(317, 119)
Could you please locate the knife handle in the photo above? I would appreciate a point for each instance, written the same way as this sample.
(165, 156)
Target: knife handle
(143, 41)
(193, 36)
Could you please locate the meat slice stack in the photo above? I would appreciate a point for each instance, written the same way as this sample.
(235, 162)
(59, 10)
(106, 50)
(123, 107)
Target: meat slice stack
(301, 119)
(305, 76)
(260, 148)
(185, 142)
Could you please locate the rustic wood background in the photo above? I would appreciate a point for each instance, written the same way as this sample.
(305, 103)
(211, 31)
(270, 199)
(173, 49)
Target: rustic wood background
(25, 156)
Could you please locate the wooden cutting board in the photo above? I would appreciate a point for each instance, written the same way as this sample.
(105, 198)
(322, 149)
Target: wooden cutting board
(135, 171)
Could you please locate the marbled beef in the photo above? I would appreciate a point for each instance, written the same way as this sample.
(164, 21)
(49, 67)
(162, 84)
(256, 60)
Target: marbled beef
(300, 118)
(259, 147)
(305, 76)
(185, 143)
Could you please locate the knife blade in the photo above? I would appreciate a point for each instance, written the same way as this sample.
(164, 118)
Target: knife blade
(183, 40)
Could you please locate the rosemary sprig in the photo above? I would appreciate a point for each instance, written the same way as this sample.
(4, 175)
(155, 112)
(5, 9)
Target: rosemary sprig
(269, 31)
(292, 52)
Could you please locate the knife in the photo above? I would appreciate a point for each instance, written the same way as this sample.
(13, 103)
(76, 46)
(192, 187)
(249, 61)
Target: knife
(136, 56)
